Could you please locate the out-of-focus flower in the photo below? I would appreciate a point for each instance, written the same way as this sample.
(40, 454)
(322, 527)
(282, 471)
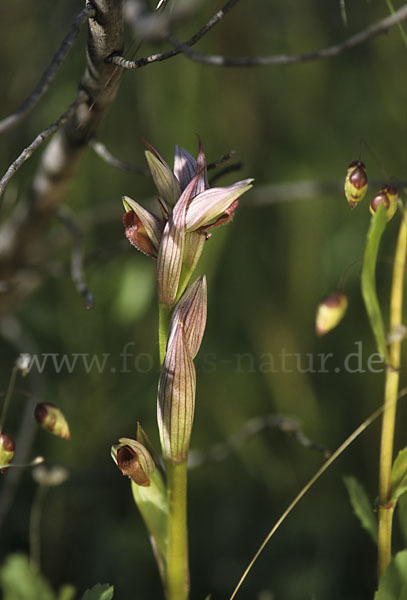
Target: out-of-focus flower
(52, 419)
(23, 363)
(50, 477)
(355, 183)
(330, 312)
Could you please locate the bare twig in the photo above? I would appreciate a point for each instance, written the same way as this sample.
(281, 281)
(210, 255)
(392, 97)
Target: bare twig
(40, 139)
(154, 25)
(228, 169)
(221, 451)
(21, 233)
(49, 73)
(104, 153)
(77, 256)
(221, 160)
(237, 166)
(122, 62)
(287, 59)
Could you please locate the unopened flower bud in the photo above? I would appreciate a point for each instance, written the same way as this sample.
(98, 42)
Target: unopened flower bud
(191, 312)
(167, 184)
(51, 418)
(355, 183)
(330, 312)
(7, 448)
(176, 396)
(388, 196)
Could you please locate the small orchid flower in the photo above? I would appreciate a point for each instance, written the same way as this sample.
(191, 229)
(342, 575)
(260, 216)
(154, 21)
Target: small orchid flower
(143, 228)
(135, 460)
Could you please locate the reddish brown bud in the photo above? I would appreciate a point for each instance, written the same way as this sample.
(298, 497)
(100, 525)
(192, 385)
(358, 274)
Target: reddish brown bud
(355, 183)
(387, 196)
(51, 418)
(7, 447)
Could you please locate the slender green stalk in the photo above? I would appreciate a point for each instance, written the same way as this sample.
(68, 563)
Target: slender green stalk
(8, 397)
(389, 414)
(401, 29)
(177, 570)
(164, 314)
(177, 550)
(35, 526)
(349, 440)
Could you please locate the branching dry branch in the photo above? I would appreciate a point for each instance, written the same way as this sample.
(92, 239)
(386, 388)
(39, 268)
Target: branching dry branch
(40, 139)
(236, 166)
(77, 272)
(122, 62)
(286, 59)
(221, 451)
(49, 73)
(22, 232)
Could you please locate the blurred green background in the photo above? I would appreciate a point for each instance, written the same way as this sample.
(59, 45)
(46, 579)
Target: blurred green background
(266, 272)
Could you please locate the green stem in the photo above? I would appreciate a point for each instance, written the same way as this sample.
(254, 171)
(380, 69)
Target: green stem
(177, 550)
(389, 414)
(399, 25)
(8, 397)
(164, 313)
(35, 527)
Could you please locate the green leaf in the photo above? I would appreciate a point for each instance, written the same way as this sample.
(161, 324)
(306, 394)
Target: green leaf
(19, 581)
(402, 514)
(399, 475)
(392, 585)
(100, 591)
(377, 226)
(67, 592)
(361, 506)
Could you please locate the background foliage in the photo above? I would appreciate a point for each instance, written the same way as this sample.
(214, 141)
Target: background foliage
(266, 271)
